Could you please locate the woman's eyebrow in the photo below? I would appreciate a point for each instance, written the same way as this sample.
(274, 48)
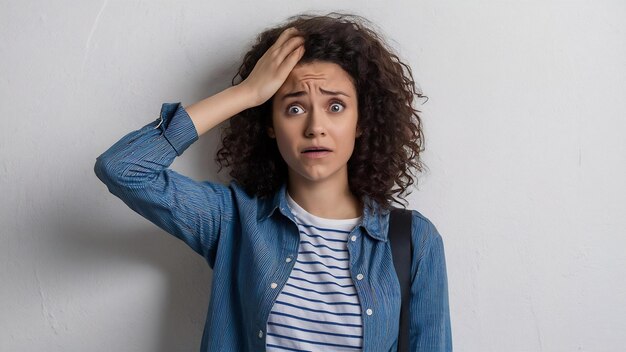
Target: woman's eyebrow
(301, 93)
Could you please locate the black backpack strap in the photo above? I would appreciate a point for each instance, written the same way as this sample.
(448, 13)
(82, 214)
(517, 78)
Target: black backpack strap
(401, 250)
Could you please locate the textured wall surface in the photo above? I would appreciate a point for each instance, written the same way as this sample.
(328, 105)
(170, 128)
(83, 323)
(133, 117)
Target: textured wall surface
(525, 147)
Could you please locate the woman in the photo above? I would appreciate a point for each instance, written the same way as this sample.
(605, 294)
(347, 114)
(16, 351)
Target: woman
(321, 128)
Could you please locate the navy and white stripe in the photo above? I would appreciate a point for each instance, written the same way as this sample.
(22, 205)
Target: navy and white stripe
(318, 308)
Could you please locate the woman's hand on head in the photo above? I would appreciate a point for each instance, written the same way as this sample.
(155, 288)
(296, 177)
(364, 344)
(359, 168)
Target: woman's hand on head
(272, 69)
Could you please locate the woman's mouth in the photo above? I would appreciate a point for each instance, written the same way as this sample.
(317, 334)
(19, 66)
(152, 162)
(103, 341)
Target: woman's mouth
(315, 154)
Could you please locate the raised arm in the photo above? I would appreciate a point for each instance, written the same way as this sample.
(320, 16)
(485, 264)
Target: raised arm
(267, 76)
(136, 168)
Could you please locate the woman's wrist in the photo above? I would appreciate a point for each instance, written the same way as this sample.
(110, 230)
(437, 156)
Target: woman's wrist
(248, 97)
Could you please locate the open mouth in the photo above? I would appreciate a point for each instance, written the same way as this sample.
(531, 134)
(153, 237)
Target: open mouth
(316, 150)
(316, 153)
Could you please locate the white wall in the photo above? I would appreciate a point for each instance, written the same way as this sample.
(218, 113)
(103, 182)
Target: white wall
(525, 143)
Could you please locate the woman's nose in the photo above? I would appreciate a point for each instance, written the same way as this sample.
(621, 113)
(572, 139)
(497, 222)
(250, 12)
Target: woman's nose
(315, 123)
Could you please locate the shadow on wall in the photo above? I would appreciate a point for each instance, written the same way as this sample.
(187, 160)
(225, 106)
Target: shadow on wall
(88, 248)
(92, 248)
(88, 251)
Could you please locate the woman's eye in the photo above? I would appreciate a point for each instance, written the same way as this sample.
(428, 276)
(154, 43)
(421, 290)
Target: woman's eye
(293, 109)
(336, 107)
(296, 110)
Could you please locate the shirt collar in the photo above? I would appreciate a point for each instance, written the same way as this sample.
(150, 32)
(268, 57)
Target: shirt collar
(375, 220)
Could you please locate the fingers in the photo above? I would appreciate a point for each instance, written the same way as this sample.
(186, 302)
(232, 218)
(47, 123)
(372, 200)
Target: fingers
(287, 42)
(276, 63)
(290, 61)
(285, 35)
(289, 46)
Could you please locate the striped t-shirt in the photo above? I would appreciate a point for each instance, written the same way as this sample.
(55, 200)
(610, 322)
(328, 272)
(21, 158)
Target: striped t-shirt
(318, 308)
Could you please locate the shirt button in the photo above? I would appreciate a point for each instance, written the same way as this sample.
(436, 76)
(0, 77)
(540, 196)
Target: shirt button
(369, 312)
(260, 334)
(359, 277)
(353, 238)
(288, 259)
(274, 285)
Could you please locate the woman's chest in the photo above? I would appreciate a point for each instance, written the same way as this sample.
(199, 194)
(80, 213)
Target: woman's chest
(269, 252)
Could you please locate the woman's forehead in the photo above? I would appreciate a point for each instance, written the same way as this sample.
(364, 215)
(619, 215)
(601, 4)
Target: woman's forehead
(325, 75)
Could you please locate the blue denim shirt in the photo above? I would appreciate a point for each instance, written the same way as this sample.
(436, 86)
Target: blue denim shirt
(252, 242)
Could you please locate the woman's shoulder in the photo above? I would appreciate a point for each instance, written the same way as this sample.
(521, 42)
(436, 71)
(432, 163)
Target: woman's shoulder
(247, 202)
(232, 189)
(424, 232)
(420, 219)
(226, 197)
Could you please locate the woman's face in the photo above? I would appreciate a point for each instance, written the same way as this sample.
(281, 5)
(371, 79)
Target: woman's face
(316, 106)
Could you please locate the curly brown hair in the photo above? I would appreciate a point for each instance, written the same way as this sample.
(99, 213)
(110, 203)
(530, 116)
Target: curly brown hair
(392, 139)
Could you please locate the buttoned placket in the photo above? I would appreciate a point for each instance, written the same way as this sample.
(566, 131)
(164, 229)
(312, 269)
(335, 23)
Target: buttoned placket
(288, 260)
(359, 282)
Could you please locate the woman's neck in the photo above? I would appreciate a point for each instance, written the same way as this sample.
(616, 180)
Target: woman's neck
(326, 200)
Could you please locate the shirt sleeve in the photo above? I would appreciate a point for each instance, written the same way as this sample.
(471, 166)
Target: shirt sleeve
(136, 170)
(430, 310)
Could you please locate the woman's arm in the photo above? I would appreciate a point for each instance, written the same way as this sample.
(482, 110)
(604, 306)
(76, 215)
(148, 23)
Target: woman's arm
(211, 111)
(135, 169)
(267, 76)
(430, 310)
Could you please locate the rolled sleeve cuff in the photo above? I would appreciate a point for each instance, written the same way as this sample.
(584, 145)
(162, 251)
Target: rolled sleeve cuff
(177, 127)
